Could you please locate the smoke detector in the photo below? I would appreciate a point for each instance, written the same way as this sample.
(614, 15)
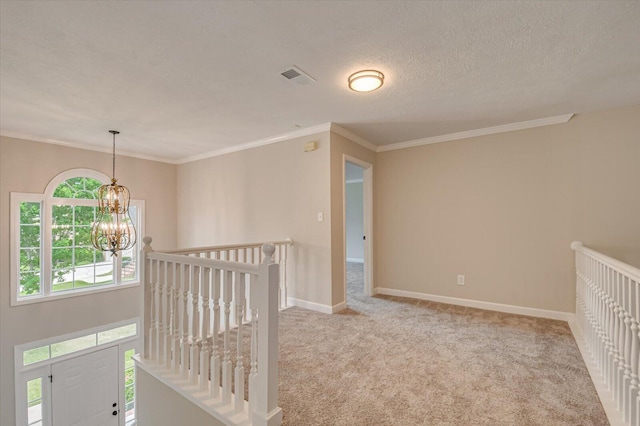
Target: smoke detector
(296, 76)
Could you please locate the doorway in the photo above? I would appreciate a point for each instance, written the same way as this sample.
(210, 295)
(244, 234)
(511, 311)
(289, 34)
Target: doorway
(358, 229)
(84, 389)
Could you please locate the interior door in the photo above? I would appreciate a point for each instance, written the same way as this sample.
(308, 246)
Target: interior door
(84, 391)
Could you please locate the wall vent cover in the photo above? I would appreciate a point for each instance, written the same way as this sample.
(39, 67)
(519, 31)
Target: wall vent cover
(296, 76)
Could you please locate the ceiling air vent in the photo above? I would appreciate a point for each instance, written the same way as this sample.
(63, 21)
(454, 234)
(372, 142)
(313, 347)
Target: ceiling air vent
(296, 76)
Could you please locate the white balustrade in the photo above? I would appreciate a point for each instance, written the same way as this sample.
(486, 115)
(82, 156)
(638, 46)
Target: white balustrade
(197, 303)
(246, 253)
(608, 314)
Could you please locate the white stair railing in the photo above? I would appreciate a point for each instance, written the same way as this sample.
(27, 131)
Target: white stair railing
(608, 315)
(246, 253)
(196, 309)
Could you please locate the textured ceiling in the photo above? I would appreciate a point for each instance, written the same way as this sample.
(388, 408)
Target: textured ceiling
(181, 78)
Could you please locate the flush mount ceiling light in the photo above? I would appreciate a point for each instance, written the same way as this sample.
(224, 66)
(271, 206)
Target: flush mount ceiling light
(366, 81)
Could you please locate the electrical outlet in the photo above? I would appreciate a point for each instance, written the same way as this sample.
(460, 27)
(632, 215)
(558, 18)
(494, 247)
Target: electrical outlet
(320, 217)
(460, 279)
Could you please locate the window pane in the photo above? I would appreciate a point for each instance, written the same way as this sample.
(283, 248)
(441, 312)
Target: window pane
(73, 345)
(29, 283)
(29, 236)
(79, 187)
(62, 236)
(82, 236)
(62, 259)
(130, 257)
(35, 355)
(30, 213)
(30, 260)
(62, 215)
(129, 386)
(117, 333)
(29, 267)
(34, 401)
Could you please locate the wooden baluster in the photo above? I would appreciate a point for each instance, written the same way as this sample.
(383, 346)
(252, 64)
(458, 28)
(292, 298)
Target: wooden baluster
(636, 420)
(153, 273)
(239, 378)
(161, 311)
(215, 368)
(169, 277)
(184, 324)
(226, 363)
(205, 354)
(195, 322)
(615, 387)
(610, 329)
(253, 372)
(621, 336)
(627, 351)
(633, 386)
(175, 317)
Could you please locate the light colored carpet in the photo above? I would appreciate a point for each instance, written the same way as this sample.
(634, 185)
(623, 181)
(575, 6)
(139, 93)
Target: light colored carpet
(396, 361)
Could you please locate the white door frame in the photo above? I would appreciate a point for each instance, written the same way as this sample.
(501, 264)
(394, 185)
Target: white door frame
(367, 207)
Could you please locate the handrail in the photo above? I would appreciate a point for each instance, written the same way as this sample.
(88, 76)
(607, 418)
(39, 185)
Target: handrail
(631, 271)
(247, 268)
(287, 242)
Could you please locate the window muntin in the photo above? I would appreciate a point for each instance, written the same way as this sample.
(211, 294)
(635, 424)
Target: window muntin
(51, 252)
(29, 245)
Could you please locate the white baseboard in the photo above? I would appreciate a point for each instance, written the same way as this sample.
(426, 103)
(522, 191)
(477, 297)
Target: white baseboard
(355, 260)
(605, 395)
(318, 307)
(490, 306)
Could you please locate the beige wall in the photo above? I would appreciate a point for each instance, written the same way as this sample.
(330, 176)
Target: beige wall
(158, 405)
(27, 166)
(503, 209)
(341, 146)
(264, 194)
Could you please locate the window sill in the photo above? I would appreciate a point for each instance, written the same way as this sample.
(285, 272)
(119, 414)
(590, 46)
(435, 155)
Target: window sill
(73, 293)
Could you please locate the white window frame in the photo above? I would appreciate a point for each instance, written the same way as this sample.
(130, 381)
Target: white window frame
(42, 369)
(47, 201)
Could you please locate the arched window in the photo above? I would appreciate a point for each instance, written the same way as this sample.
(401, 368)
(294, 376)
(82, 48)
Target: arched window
(52, 254)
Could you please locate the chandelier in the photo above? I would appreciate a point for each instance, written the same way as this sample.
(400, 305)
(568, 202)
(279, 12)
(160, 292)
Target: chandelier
(113, 230)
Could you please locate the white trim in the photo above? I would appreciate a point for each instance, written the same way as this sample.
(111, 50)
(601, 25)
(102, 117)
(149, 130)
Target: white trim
(478, 132)
(85, 147)
(260, 142)
(605, 395)
(355, 260)
(367, 208)
(73, 173)
(354, 181)
(318, 307)
(353, 137)
(490, 306)
(46, 201)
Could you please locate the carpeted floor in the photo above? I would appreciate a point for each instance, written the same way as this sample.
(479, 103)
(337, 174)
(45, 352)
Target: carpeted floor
(395, 361)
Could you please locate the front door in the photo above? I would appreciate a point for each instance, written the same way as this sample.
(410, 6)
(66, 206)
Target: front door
(85, 390)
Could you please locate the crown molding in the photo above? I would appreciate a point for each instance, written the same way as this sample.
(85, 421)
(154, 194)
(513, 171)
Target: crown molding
(479, 132)
(105, 150)
(260, 142)
(353, 137)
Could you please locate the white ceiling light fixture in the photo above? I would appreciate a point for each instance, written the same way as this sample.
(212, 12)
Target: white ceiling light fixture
(366, 80)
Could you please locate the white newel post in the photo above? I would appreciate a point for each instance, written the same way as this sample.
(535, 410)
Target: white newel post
(267, 412)
(147, 297)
